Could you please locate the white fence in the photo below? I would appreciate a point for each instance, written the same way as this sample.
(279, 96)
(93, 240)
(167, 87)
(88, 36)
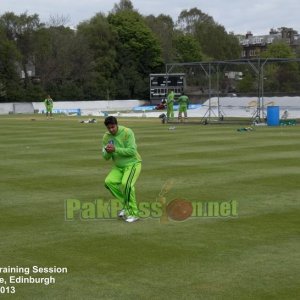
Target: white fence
(72, 107)
(16, 108)
(229, 107)
(23, 108)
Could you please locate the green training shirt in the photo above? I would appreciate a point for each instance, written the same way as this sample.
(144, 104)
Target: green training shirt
(126, 149)
(48, 102)
(183, 101)
(170, 99)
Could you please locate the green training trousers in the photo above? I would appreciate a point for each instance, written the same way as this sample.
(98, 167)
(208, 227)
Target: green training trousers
(120, 182)
(170, 112)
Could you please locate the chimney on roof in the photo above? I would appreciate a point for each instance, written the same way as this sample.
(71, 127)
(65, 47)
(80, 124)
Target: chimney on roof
(273, 31)
(248, 34)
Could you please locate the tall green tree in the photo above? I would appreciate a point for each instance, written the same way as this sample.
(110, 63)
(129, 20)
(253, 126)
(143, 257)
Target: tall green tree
(10, 89)
(164, 29)
(248, 84)
(281, 76)
(215, 42)
(187, 48)
(55, 51)
(101, 40)
(138, 53)
(189, 19)
(20, 30)
(122, 5)
(278, 50)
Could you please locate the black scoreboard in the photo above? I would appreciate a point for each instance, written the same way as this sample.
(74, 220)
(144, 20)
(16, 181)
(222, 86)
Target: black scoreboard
(160, 84)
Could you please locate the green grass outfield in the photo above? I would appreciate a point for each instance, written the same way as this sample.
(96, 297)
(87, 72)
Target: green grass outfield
(253, 256)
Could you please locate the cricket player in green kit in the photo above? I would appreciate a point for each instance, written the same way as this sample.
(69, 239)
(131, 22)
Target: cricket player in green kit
(49, 105)
(119, 145)
(170, 105)
(183, 102)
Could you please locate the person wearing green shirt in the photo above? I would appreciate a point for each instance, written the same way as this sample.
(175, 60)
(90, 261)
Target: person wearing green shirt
(49, 105)
(170, 104)
(183, 102)
(118, 144)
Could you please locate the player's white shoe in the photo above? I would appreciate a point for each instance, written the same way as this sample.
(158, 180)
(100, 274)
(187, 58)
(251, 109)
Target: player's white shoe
(131, 219)
(122, 213)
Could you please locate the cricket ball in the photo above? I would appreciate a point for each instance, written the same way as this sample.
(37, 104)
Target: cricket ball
(179, 209)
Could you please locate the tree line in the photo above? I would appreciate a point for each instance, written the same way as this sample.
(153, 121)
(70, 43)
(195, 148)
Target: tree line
(109, 56)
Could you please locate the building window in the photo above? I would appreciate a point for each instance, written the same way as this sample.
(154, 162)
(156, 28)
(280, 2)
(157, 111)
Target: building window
(253, 52)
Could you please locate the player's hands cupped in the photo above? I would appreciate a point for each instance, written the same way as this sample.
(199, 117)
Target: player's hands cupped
(110, 148)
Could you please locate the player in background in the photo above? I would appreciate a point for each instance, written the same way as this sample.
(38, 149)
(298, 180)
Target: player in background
(49, 105)
(119, 145)
(170, 104)
(183, 102)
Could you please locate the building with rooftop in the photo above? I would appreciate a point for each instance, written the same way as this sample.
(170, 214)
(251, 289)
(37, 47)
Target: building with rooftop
(252, 46)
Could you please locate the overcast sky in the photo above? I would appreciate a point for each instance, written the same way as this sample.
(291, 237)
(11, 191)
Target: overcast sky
(239, 16)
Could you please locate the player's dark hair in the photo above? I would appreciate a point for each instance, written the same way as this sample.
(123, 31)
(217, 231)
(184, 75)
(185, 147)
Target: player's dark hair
(110, 121)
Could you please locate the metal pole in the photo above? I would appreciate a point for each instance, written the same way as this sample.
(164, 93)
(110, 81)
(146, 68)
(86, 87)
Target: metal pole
(258, 107)
(262, 89)
(219, 110)
(262, 93)
(209, 92)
